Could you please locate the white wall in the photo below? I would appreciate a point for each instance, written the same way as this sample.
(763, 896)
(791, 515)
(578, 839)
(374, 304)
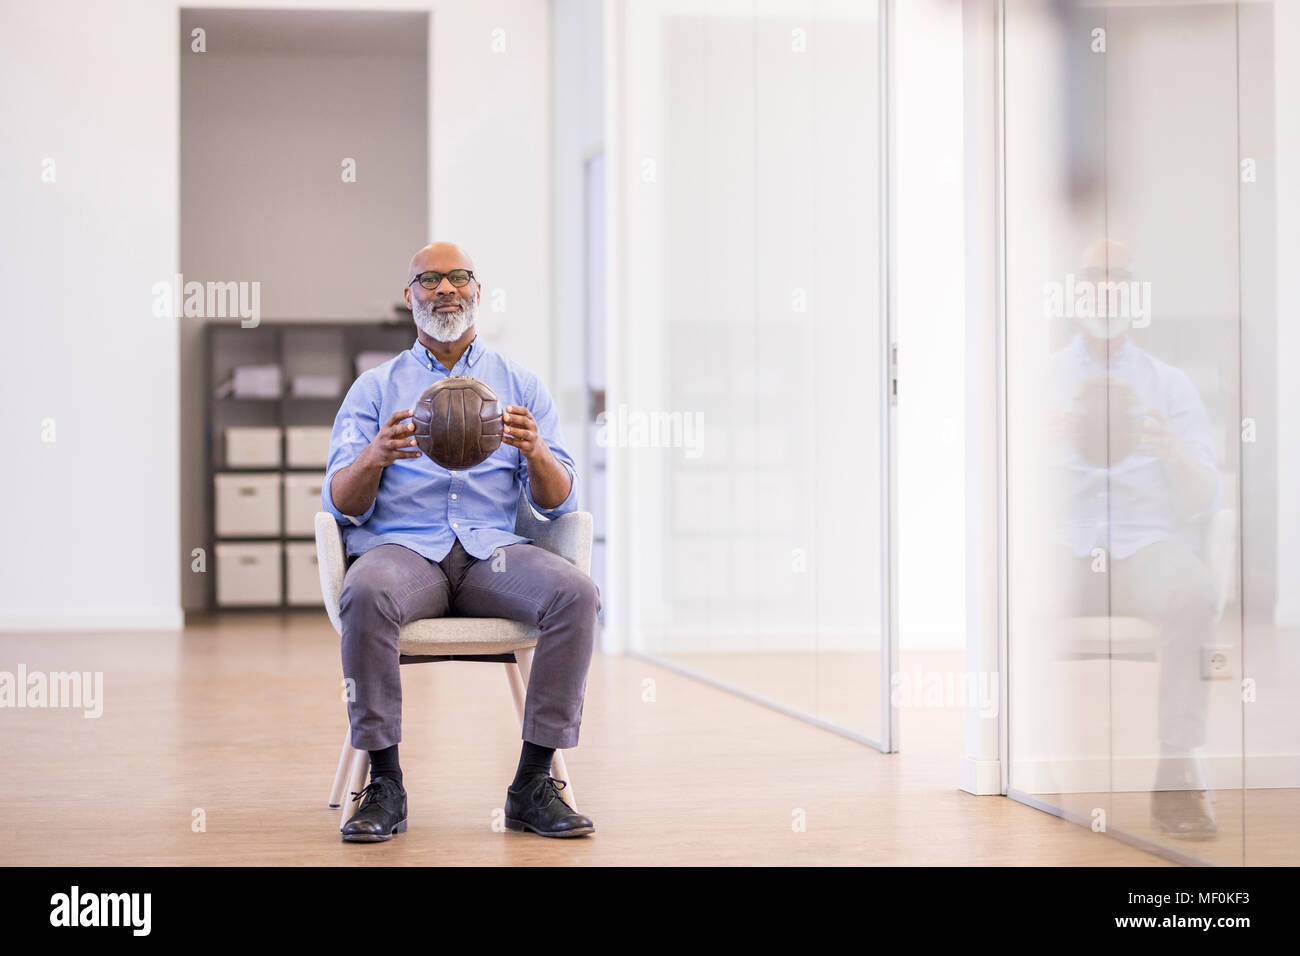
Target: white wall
(929, 274)
(97, 91)
(491, 160)
(1287, 166)
(92, 518)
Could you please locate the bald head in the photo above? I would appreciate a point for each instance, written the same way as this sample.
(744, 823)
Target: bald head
(439, 257)
(1108, 255)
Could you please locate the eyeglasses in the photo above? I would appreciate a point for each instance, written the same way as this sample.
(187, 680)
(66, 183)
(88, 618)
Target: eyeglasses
(431, 280)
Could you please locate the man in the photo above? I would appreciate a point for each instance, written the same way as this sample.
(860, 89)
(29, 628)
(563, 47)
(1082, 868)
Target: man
(431, 542)
(1131, 456)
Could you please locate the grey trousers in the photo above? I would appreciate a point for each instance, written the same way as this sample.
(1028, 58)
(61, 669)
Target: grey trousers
(1169, 586)
(390, 586)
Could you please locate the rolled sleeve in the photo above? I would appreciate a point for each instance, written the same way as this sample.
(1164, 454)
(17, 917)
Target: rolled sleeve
(548, 426)
(564, 507)
(355, 427)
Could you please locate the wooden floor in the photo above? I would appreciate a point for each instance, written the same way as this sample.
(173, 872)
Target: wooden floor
(1258, 827)
(241, 717)
(839, 687)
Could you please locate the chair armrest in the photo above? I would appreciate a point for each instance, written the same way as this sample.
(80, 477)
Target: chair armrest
(569, 535)
(331, 564)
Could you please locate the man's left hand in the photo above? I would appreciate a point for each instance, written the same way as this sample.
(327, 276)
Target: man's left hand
(519, 428)
(548, 480)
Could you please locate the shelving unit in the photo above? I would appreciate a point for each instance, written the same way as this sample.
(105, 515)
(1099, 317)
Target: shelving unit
(298, 348)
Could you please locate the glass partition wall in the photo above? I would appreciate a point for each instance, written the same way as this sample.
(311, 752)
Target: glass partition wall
(744, 423)
(1153, 549)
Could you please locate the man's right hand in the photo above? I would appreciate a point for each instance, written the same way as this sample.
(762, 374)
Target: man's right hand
(394, 441)
(354, 488)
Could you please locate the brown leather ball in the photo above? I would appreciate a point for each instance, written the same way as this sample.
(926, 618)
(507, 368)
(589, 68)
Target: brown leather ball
(1107, 433)
(458, 422)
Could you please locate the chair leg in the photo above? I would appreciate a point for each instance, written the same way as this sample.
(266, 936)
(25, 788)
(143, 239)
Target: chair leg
(518, 675)
(516, 689)
(356, 780)
(341, 774)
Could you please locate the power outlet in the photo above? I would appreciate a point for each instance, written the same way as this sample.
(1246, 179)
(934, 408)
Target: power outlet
(1218, 661)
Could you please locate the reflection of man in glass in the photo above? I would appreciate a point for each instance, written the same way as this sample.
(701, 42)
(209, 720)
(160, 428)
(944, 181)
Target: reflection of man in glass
(1136, 475)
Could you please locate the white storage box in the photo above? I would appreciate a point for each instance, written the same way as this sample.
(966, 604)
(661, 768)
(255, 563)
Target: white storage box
(247, 504)
(316, 386)
(249, 447)
(301, 502)
(248, 573)
(256, 381)
(308, 446)
(302, 573)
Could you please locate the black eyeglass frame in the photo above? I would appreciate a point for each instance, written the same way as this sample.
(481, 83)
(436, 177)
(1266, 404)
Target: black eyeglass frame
(440, 276)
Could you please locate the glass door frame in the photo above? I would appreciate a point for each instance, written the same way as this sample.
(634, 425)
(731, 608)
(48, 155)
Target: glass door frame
(618, 626)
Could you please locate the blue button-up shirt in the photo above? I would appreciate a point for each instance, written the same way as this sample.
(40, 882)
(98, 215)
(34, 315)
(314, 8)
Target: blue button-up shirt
(1130, 504)
(420, 504)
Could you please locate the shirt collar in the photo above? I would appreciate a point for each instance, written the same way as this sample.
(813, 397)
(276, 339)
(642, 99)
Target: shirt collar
(472, 354)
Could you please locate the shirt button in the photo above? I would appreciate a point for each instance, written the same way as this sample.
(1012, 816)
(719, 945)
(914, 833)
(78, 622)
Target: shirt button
(454, 525)
(453, 497)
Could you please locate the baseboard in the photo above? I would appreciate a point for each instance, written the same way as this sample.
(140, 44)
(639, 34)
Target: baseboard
(92, 619)
(980, 777)
(1137, 774)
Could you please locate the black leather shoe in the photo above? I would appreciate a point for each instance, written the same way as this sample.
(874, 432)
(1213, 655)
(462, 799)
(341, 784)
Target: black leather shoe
(538, 806)
(382, 812)
(1184, 814)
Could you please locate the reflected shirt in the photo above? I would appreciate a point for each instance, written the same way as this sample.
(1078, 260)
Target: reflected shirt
(1129, 505)
(421, 505)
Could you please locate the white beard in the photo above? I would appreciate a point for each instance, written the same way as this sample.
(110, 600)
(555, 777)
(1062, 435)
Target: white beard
(1107, 327)
(443, 326)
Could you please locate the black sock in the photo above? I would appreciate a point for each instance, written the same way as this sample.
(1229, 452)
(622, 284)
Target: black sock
(383, 763)
(533, 760)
